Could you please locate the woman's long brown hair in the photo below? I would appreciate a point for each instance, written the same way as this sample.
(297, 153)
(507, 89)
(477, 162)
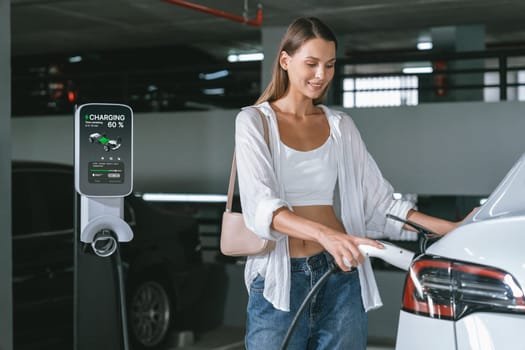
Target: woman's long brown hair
(300, 31)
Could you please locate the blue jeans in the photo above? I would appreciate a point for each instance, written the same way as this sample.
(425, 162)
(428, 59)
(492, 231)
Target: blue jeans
(334, 319)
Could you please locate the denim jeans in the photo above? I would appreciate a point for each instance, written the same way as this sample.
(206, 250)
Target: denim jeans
(334, 319)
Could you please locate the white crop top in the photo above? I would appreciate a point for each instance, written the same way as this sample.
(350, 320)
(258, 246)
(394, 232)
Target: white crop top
(309, 177)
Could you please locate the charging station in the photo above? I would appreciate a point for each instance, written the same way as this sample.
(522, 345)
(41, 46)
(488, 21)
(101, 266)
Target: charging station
(103, 177)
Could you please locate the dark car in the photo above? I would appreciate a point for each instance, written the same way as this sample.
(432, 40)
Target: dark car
(163, 262)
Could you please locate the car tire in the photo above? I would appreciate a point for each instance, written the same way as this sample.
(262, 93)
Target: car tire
(150, 313)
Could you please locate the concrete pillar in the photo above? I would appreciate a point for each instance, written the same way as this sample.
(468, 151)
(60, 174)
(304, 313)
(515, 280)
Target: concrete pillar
(443, 39)
(452, 39)
(470, 38)
(6, 298)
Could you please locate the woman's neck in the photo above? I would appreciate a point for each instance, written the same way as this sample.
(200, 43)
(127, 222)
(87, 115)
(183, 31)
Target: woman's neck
(297, 107)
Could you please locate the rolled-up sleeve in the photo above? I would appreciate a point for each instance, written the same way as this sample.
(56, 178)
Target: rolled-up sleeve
(258, 187)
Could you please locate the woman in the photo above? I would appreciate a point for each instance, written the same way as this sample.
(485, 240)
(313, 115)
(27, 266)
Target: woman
(289, 188)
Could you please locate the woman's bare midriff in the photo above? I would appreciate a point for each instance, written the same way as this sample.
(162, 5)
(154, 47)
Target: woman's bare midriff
(323, 214)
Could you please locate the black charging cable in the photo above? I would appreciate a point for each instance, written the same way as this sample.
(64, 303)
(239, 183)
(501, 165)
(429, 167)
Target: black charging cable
(105, 244)
(122, 296)
(319, 284)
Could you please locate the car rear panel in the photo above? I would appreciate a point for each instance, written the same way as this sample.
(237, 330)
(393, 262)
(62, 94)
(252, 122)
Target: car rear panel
(418, 332)
(488, 331)
(479, 331)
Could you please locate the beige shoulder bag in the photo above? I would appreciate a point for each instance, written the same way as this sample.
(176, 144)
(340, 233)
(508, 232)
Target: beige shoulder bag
(236, 238)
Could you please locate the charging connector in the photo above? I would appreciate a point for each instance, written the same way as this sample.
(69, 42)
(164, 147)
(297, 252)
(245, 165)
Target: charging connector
(390, 253)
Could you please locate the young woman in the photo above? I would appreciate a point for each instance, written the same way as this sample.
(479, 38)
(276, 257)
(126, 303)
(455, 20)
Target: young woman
(290, 187)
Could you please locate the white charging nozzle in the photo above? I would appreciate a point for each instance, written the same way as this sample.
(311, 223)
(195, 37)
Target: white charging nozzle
(390, 253)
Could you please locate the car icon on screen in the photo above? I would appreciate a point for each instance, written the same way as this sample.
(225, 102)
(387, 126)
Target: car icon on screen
(108, 144)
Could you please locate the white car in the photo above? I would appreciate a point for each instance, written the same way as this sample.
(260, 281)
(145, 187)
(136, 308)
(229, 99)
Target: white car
(466, 290)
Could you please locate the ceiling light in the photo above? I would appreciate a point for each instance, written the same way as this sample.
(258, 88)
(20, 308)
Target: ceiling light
(184, 197)
(215, 75)
(424, 42)
(418, 70)
(425, 45)
(246, 57)
(213, 91)
(75, 59)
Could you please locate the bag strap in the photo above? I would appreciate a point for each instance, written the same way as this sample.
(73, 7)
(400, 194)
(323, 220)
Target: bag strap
(233, 172)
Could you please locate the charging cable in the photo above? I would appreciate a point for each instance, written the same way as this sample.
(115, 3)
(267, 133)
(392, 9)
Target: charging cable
(322, 280)
(122, 292)
(105, 243)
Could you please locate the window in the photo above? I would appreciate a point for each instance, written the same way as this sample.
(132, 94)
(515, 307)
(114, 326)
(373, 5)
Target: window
(384, 91)
(515, 92)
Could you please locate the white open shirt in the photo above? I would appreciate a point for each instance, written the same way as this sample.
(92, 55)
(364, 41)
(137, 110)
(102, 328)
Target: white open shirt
(363, 198)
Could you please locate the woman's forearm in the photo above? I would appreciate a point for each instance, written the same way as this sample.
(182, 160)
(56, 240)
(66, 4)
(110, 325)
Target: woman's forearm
(293, 225)
(432, 223)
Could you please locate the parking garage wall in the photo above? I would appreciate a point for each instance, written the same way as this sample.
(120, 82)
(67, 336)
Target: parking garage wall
(443, 148)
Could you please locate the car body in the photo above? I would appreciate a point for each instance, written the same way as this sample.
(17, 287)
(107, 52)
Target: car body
(163, 260)
(466, 290)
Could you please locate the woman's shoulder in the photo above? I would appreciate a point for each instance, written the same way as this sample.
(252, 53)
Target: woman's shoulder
(247, 116)
(251, 117)
(252, 111)
(252, 114)
(336, 114)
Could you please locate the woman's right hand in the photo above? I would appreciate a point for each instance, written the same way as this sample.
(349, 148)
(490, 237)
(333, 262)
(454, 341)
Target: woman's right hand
(331, 237)
(344, 246)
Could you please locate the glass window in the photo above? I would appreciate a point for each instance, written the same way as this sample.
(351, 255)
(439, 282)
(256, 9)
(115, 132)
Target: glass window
(384, 91)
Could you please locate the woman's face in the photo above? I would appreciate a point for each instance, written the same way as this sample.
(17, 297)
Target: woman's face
(311, 68)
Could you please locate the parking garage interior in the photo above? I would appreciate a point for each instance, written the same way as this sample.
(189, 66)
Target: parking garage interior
(444, 142)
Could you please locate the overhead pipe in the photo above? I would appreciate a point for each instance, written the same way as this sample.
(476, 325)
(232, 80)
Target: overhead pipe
(242, 19)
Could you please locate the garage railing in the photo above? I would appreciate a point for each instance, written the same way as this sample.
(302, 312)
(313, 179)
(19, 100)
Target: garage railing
(387, 79)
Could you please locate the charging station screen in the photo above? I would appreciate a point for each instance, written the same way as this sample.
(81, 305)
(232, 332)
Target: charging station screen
(106, 172)
(103, 162)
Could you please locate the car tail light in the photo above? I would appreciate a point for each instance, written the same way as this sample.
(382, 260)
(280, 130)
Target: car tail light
(447, 289)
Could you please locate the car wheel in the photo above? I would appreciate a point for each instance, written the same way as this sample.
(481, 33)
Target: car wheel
(150, 313)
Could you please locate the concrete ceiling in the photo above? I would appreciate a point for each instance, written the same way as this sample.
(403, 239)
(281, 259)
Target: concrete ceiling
(70, 26)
